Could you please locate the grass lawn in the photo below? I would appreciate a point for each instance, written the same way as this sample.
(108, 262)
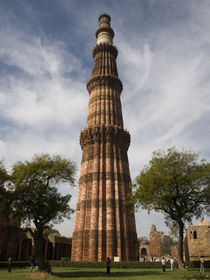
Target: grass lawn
(99, 273)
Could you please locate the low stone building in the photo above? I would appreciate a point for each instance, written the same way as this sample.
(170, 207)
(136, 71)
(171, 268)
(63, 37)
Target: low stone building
(18, 243)
(198, 241)
(56, 247)
(144, 253)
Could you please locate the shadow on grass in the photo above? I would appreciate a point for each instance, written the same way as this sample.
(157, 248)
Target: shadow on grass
(92, 274)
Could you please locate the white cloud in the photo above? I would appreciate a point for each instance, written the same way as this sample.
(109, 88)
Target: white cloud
(166, 89)
(43, 105)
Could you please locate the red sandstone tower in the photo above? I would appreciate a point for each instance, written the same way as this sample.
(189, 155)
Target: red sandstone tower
(155, 242)
(104, 223)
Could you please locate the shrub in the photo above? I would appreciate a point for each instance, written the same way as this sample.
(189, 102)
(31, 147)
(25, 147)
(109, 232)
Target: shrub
(67, 263)
(196, 264)
(195, 277)
(17, 264)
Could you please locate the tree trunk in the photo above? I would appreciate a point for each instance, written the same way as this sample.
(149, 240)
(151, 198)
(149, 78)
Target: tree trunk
(180, 246)
(39, 248)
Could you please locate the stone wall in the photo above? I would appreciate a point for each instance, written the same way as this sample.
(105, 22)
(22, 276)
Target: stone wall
(198, 241)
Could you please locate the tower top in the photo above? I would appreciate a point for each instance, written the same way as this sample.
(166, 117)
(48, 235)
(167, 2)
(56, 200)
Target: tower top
(104, 33)
(104, 17)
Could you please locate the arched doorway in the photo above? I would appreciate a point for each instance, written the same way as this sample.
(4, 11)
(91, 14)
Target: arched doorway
(143, 252)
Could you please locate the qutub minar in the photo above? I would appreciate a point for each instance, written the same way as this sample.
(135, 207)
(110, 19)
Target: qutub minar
(105, 223)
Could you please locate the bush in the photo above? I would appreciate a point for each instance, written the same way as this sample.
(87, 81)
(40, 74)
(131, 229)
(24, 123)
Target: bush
(195, 277)
(196, 264)
(18, 264)
(65, 259)
(64, 263)
(146, 264)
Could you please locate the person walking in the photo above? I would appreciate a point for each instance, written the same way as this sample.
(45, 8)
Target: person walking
(108, 265)
(201, 264)
(163, 262)
(172, 263)
(9, 264)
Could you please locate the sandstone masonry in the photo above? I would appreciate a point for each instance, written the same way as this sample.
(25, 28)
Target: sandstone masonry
(198, 241)
(104, 223)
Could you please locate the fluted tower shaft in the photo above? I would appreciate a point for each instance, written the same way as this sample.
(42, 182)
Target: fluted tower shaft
(105, 222)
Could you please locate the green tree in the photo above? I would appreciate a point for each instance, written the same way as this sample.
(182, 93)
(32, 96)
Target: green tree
(51, 231)
(5, 194)
(143, 239)
(166, 243)
(207, 192)
(173, 183)
(36, 198)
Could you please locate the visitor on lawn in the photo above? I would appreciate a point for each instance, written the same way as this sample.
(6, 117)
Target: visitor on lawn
(201, 264)
(172, 263)
(9, 264)
(163, 262)
(108, 265)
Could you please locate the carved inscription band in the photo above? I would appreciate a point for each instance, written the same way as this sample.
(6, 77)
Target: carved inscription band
(96, 176)
(105, 81)
(111, 233)
(96, 203)
(104, 47)
(112, 134)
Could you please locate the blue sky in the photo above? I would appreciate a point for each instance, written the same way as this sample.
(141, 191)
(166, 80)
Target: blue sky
(45, 63)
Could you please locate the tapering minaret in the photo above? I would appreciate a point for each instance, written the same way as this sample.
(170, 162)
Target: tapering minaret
(105, 222)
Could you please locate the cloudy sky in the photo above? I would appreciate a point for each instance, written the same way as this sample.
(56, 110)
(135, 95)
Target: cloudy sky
(45, 63)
